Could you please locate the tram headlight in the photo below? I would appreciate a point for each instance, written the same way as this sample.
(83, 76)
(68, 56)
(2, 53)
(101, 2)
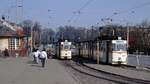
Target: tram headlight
(124, 55)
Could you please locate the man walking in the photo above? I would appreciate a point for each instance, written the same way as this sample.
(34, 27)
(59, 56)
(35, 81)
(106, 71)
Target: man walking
(37, 54)
(6, 53)
(33, 54)
(43, 57)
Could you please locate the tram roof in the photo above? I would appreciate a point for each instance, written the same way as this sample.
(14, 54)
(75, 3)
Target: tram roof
(103, 38)
(107, 38)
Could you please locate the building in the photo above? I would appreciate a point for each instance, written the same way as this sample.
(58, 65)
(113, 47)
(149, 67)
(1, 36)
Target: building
(13, 39)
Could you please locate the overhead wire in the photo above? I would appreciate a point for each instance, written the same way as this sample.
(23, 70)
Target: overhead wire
(86, 4)
(126, 11)
(78, 12)
(6, 12)
(131, 9)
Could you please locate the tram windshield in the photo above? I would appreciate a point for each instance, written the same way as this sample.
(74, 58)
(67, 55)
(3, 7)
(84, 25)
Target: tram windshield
(119, 47)
(66, 47)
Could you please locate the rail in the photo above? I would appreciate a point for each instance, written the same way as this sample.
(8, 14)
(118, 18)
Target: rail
(83, 69)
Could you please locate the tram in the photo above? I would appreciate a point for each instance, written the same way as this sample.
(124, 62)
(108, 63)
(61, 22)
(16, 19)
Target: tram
(119, 52)
(63, 50)
(108, 51)
(113, 51)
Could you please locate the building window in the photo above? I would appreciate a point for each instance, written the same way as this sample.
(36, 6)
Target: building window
(14, 43)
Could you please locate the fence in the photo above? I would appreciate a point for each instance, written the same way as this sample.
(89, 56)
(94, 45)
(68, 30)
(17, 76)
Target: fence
(15, 53)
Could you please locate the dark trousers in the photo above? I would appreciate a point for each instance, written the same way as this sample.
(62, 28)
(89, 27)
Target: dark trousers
(43, 61)
(34, 59)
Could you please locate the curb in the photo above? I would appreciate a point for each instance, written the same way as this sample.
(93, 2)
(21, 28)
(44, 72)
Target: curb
(112, 73)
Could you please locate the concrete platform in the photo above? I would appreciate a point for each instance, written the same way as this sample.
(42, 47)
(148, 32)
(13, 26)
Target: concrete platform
(23, 71)
(120, 71)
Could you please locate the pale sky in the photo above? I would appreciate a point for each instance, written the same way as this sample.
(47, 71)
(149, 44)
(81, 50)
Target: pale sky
(56, 13)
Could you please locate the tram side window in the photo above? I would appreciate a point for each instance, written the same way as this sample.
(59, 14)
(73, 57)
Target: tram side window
(103, 46)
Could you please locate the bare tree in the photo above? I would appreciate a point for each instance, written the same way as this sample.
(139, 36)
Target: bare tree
(47, 36)
(36, 34)
(145, 24)
(27, 25)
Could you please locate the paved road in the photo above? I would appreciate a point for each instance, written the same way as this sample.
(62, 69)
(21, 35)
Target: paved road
(23, 71)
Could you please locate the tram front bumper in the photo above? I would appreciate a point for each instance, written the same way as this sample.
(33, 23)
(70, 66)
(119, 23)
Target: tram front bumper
(65, 57)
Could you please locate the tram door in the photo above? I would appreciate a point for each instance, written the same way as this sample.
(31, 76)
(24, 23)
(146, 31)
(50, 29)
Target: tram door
(105, 51)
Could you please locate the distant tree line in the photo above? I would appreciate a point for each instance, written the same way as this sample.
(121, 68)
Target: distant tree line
(139, 35)
(40, 35)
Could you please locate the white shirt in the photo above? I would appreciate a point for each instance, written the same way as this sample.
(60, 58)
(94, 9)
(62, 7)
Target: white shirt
(37, 53)
(43, 54)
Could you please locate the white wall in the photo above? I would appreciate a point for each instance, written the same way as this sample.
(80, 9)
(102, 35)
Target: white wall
(3, 43)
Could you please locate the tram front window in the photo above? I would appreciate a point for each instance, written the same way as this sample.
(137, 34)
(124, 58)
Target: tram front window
(119, 47)
(66, 47)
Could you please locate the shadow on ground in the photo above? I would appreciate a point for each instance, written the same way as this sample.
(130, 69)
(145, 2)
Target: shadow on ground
(33, 65)
(31, 62)
(83, 60)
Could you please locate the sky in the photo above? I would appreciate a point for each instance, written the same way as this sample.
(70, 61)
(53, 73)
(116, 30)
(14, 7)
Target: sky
(84, 13)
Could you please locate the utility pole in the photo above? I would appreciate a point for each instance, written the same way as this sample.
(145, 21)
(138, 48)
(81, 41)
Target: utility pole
(31, 40)
(128, 31)
(19, 10)
(97, 51)
(92, 32)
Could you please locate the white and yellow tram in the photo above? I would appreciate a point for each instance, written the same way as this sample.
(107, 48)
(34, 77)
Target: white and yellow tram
(119, 51)
(64, 50)
(113, 52)
(108, 51)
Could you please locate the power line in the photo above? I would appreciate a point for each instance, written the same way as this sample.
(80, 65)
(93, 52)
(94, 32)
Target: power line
(131, 9)
(125, 11)
(85, 5)
(78, 12)
(7, 12)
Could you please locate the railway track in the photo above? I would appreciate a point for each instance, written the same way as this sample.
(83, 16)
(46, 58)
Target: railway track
(117, 79)
(136, 68)
(123, 66)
